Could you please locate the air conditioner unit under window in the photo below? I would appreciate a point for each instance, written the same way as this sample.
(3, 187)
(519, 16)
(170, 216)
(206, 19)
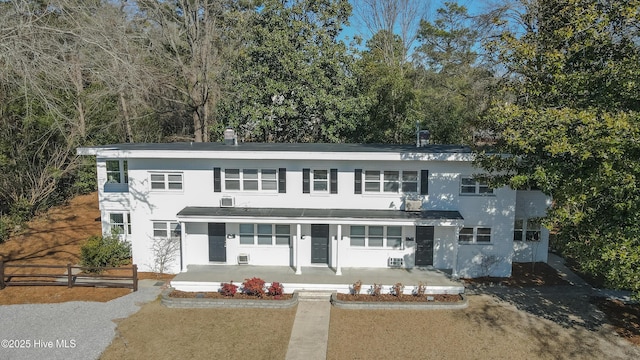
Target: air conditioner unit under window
(243, 259)
(227, 202)
(412, 205)
(395, 262)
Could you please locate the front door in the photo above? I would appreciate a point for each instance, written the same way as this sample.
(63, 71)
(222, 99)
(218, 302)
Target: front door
(319, 243)
(424, 245)
(217, 242)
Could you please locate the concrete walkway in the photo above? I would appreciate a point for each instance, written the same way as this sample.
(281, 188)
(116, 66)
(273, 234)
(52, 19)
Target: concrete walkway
(310, 332)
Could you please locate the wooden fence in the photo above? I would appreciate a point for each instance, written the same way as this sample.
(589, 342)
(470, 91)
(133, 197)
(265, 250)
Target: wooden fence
(70, 276)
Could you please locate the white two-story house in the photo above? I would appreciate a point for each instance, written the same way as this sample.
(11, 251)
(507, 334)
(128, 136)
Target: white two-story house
(302, 205)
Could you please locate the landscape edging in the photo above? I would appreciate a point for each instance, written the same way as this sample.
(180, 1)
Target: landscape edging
(390, 305)
(203, 303)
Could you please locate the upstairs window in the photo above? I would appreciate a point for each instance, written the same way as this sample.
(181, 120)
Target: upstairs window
(117, 172)
(166, 181)
(471, 186)
(320, 181)
(390, 181)
(251, 180)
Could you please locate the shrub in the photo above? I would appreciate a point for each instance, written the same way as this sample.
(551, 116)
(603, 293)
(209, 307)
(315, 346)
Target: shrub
(420, 289)
(397, 289)
(253, 286)
(356, 287)
(101, 251)
(376, 289)
(276, 289)
(228, 289)
(5, 226)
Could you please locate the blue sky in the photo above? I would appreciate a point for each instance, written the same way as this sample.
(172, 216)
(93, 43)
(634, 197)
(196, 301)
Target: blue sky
(356, 28)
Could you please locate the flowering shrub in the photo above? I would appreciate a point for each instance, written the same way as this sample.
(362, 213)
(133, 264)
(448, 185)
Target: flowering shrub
(276, 289)
(376, 289)
(355, 288)
(253, 286)
(420, 289)
(228, 289)
(397, 289)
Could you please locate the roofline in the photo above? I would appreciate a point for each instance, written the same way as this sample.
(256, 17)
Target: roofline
(257, 151)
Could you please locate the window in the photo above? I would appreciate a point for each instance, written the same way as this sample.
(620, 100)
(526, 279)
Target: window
(166, 181)
(120, 223)
(475, 235)
(250, 180)
(376, 236)
(391, 181)
(246, 234)
(530, 228)
(117, 172)
(283, 235)
(471, 186)
(166, 229)
(409, 181)
(264, 234)
(320, 181)
(357, 236)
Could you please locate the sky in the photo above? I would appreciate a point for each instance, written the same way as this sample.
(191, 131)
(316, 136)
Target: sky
(357, 28)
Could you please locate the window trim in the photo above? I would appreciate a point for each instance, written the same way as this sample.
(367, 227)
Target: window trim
(165, 181)
(126, 222)
(536, 228)
(476, 233)
(274, 235)
(167, 228)
(382, 181)
(477, 187)
(123, 171)
(260, 181)
(385, 237)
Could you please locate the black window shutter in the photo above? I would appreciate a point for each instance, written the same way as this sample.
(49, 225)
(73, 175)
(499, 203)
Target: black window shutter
(333, 184)
(357, 185)
(282, 180)
(424, 182)
(305, 181)
(217, 182)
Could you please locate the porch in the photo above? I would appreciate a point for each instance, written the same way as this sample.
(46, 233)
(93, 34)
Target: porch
(209, 277)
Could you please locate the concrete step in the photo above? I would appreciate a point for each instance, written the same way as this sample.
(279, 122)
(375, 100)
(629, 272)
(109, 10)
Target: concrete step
(314, 295)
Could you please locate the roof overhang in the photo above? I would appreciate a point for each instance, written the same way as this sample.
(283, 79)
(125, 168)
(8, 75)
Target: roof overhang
(324, 216)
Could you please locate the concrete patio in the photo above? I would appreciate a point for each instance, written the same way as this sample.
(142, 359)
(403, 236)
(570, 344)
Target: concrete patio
(209, 277)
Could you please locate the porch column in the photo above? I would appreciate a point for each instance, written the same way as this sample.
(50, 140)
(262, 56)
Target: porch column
(296, 251)
(454, 270)
(183, 247)
(338, 250)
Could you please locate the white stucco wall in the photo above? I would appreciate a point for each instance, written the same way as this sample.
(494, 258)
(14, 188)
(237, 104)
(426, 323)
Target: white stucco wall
(146, 206)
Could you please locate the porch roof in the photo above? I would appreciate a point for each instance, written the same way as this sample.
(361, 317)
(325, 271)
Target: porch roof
(195, 213)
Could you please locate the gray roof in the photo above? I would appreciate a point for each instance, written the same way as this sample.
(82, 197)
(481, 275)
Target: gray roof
(213, 212)
(299, 147)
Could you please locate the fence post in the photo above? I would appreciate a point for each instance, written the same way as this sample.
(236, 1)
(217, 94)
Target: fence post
(135, 277)
(69, 276)
(1, 274)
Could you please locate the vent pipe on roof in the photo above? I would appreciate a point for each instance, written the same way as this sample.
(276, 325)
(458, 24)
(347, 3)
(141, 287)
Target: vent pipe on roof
(230, 137)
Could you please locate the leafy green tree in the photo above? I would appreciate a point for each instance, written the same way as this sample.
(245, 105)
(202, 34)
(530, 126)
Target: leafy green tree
(293, 81)
(573, 128)
(452, 78)
(383, 79)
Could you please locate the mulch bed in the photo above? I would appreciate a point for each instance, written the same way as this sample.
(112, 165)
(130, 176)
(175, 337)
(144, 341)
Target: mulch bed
(625, 318)
(403, 298)
(217, 295)
(524, 275)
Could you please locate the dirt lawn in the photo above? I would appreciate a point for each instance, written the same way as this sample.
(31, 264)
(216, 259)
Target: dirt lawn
(55, 238)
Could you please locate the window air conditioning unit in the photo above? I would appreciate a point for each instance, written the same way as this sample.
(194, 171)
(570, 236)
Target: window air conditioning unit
(412, 205)
(227, 202)
(243, 259)
(395, 262)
